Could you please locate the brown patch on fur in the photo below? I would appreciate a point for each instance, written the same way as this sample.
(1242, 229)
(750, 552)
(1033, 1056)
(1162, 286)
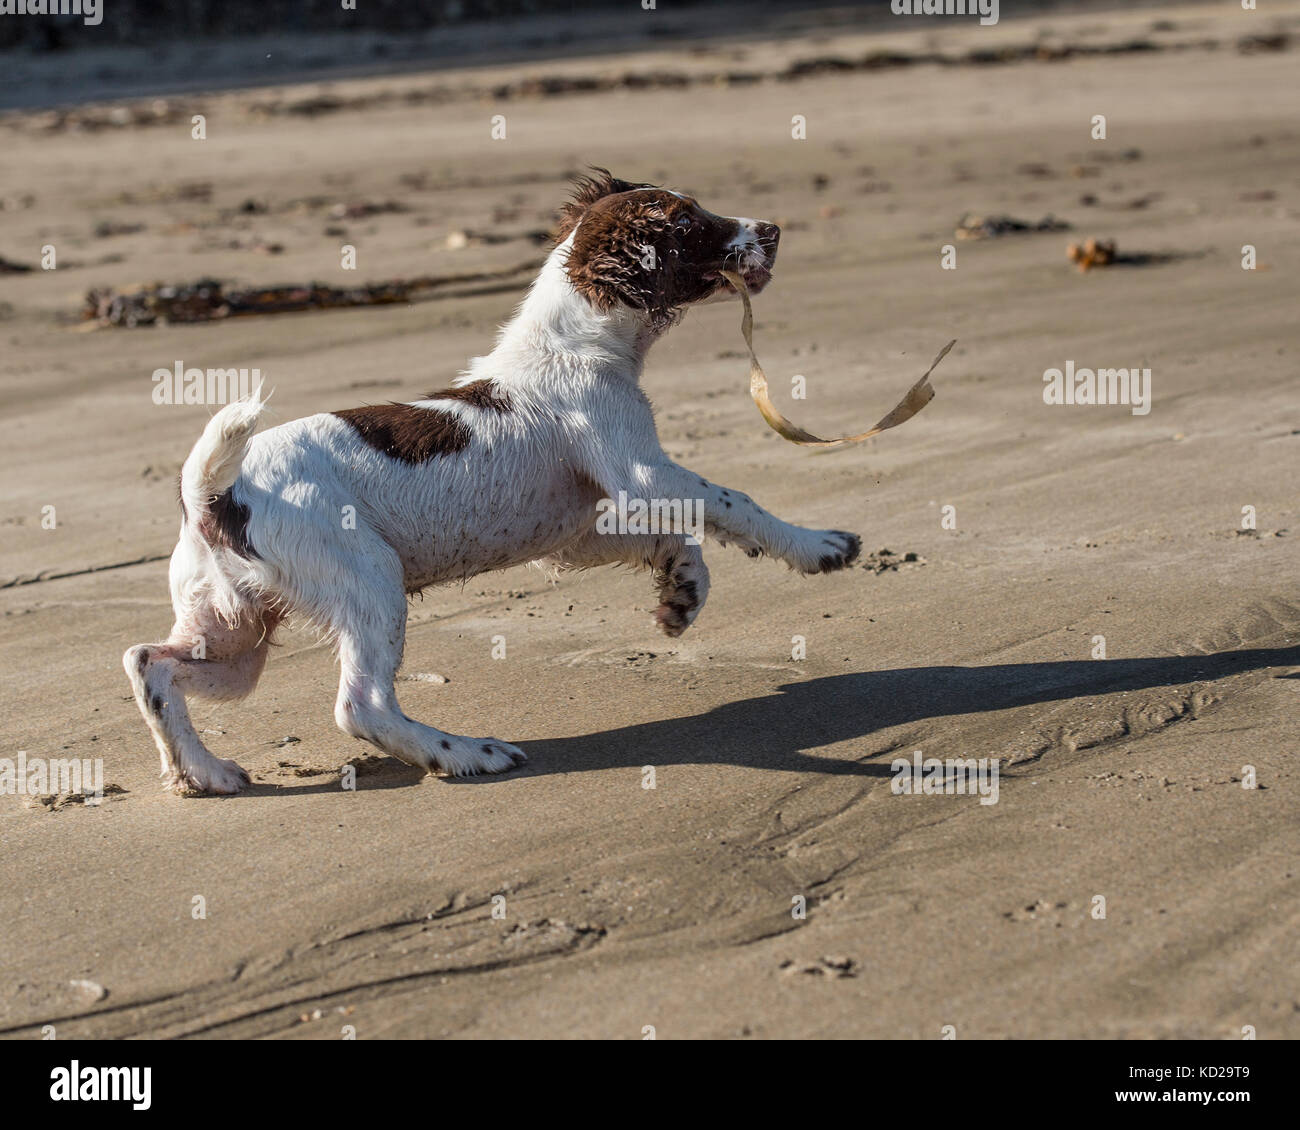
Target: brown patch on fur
(481, 394)
(586, 192)
(649, 249)
(408, 433)
(225, 523)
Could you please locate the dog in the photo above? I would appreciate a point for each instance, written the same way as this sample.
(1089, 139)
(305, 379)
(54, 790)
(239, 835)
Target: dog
(334, 519)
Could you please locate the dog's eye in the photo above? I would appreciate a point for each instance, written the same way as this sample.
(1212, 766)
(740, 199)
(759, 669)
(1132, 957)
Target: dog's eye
(685, 222)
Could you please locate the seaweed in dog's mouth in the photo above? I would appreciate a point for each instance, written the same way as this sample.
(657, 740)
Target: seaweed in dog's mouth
(918, 396)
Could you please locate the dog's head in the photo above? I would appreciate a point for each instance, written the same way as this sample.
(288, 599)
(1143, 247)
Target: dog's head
(656, 250)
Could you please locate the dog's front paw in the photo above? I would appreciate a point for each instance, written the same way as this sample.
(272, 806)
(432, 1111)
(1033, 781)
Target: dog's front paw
(673, 619)
(683, 588)
(678, 611)
(468, 757)
(831, 550)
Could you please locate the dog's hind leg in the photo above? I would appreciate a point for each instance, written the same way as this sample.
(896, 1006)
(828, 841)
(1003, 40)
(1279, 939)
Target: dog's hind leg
(203, 658)
(367, 618)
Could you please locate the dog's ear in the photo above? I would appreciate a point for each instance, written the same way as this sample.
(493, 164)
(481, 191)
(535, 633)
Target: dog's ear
(626, 251)
(586, 191)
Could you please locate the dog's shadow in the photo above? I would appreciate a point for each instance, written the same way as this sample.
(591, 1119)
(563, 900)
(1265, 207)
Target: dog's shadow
(772, 731)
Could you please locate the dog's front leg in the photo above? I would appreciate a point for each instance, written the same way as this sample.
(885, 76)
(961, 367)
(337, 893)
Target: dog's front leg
(733, 518)
(680, 573)
(362, 602)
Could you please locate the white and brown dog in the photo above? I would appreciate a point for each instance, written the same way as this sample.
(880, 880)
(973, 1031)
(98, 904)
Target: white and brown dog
(335, 518)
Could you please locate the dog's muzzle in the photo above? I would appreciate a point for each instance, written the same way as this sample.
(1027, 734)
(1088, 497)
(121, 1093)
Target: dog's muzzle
(759, 257)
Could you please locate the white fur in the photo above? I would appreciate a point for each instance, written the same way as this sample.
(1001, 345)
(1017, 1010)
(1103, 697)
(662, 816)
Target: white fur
(579, 428)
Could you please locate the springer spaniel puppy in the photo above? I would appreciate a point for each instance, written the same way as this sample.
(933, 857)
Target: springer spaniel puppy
(335, 518)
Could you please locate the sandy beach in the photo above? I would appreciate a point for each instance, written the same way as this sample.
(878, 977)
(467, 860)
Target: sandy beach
(1103, 600)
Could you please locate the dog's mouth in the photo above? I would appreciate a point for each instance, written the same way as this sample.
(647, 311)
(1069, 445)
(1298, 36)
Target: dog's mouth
(756, 278)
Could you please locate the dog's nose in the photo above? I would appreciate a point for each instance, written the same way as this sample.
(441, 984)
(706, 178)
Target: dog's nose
(768, 236)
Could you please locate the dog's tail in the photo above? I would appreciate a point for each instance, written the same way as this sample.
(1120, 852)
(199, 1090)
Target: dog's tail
(213, 465)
